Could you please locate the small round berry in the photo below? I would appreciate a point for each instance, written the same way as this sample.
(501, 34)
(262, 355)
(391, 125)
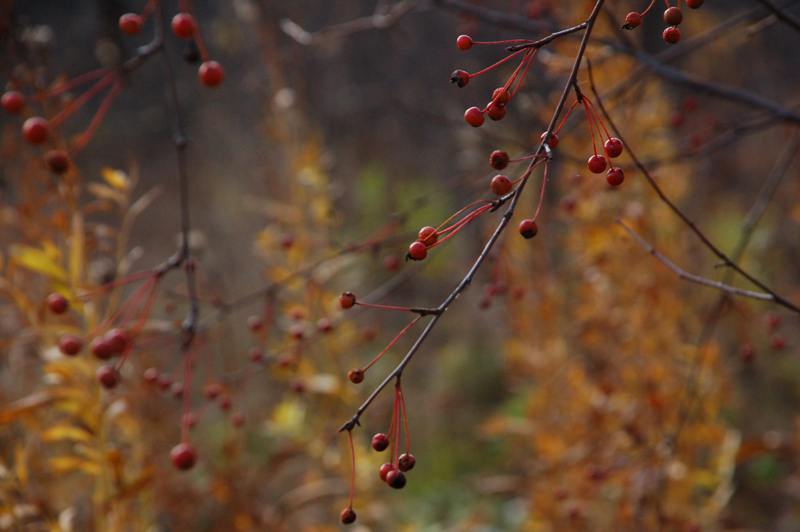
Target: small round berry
(150, 375)
(255, 354)
(356, 375)
(176, 389)
(287, 241)
(130, 24)
(164, 381)
(496, 111)
(528, 228)
(183, 456)
(70, 345)
(417, 251)
(212, 391)
(108, 377)
(597, 163)
(396, 479)
(57, 303)
(747, 353)
(777, 342)
(773, 321)
(406, 462)
(324, 325)
(553, 142)
(189, 419)
(428, 236)
(36, 130)
(57, 161)
(297, 331)
(614, 176)
(672, 35)
(391, 263)
(348, 516)
(613, 147)
(13, 102)
(633, 19)
(694, 4)
(255, 322)
(183, 25)
(464, 42)
(501, 96)
(237, 419)
(224, 402)
(501, 185)
(380, 442)
(101, 348)
(498, 159)
(297, 385)
(118, 340)
(474, 117)
(211, 74)
(673, 16)
(460, 78)
(347, 300)
(385, 469)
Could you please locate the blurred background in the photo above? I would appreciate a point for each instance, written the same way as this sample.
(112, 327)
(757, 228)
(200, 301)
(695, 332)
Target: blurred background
(578, 383)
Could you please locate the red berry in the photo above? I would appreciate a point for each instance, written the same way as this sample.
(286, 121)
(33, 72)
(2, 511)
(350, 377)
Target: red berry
(130, 24)
(176, 389)
(183, 25)
(690, 104)
(101, 348)
(297, 331)
(70, 345)
(164, 381)
(464, 42)
(501, 96)
(356, 376)
(385, 469)
(324, 325)
(474, 117)
(747, 353)
(406, 462)
(347, 300)
(673, 16)
(528, 228)
(613, 147)
(672, 35)
(211, 74)
(57, 303)
(694, 4)
(118, 340)
(255, 354)
(777, 342)
(553, 142)
(254, 323)
(224, 402)
(212, 391)
(348, 516)
(183, 456)
(495, 111)
(108, 377)
(150, 375)
(380, 442)
(428, 236)
(391, 263)
(297, 385)
(773, 321)
(237, 419)
(417, 251)
(597, 163)
(396, 479)
(460, 78)
(498, 159)
(36, 130)
(189, 419)
(13, 102)
(615, 177)
(57, 161)
(501, 185)
(633, 19)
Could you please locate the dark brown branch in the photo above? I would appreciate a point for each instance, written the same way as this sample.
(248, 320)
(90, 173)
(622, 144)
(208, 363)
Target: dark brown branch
(496, 17)
(782, 14)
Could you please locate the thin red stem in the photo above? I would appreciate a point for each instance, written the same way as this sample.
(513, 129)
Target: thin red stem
(81, 101)
(148, 9)
(648, 7)
(415, 320)
(439, 229)
(352, 468)
(598, 117)
(405, 421)
(530, 60)
(591, 127)
(541, 196)
(98, 118)
(565, 117)
(385, 307)
(513, 41)
(70, 84)
(456, 227)
(496, 64)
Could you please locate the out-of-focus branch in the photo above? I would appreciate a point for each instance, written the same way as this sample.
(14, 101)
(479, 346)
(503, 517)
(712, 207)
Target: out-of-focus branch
(781, 13)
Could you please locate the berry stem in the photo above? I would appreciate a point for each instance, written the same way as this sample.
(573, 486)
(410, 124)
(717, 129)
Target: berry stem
(512, 41)
(529, 58)
(97, 119)
(591, 126)
(352, 467)
(401, 333)
(600, 120)
(70, 84)
(544, 185)
(148, 9)
(405, 418)
(643, 13)
(496, 64)
(439, 229)
(81, 100)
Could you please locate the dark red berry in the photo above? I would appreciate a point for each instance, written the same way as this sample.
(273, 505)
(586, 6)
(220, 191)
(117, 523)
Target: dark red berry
(380, 442)
(57, 303)
(501, 96)
(615, 177)
(70, 345)
(287, 241)
(553, 142)
(633, 19)
(501, 185)
(176, 389)
(183, 456)
(118, 340)
(36, 130)
(613, 147)
(406, 462)
(396, 479)
(528, 228)
(391, 263)
(108, 377)
(255, 354)
(224, 402)
(672, 35)
(773, 321)
(211, 74)
(13, 102)
(212, 391)
(237, 419)
(694, 4)
(297, 385)
(130, 24)
(183, 25)
(356, 375)
(673, 16)
(428, 236)
(57, 161)
(498, 159)
(297, 331)
(747, 353)
(777, 342)
(150, 375)
(164, 381)
(474, 117)
(348, 516)
(324, 325)
(417, 251)
(495, 111)
(464, 42)
(189, 419)
(101, 348)
(597, 163)
(347, 300)
(460, 78)
(385, 469)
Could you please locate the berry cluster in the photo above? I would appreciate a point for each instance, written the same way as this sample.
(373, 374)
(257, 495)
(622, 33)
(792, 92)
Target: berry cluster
(673, 16)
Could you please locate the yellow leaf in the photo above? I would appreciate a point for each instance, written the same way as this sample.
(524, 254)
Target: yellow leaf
(37, 260)
(116, 178)
(69, 464)
(66, 432)
(107, 193)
